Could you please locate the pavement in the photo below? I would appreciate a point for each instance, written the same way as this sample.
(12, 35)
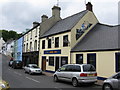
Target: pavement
(99, 82)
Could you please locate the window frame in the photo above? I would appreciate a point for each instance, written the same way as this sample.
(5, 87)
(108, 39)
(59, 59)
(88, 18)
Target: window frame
(49, 43)
(88, 56)
(53, 63)
(56, 42)
(65, 42)
(43, 44)
(117, 59)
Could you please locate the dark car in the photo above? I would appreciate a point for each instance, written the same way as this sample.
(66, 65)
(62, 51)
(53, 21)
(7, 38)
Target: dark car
(10, 63)
(17, 64)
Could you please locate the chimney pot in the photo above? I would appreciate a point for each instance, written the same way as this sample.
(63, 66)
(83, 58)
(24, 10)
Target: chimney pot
(44, 17)
(35, 24)
(56, 11)
(89, 6)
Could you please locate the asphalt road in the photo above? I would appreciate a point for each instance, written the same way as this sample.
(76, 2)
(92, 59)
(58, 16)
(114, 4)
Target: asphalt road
(19, 80)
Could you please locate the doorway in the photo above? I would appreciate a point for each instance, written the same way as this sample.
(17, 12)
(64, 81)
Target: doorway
(43, 63)
(57, 63)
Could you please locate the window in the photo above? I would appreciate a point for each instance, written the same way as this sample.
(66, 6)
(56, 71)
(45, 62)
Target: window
(35, 45)
(36, 32)
(30, 46)
(91, 59)
(79, 58)
(51, 61)
(57, 42)
(49, 43)
(65, 40)
(69, 68)
(117, 56)
(43, 44)
(27, 47)
(31, 35)
(64, 60)
(77, 68)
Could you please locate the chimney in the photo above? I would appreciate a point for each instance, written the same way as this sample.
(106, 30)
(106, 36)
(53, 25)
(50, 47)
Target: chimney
(35, 24)
(44, 17)
(56, 11)
(89, 6)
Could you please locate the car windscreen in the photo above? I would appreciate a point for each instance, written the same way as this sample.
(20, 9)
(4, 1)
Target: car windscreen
(88, 68)
(34, 66)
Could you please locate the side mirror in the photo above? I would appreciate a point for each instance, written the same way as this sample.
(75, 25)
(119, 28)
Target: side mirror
(118, 77)
(58, 70)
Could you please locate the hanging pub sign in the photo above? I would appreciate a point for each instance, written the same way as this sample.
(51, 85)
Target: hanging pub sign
(52, 52)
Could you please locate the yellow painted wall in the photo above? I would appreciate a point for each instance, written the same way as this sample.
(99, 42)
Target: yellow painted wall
(65, 51)
(89, 17)
(105, 62)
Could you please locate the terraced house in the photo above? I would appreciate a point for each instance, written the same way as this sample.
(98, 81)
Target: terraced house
(31, 38)
(80, 38)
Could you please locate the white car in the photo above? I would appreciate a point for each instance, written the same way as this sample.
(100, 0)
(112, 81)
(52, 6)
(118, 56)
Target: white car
(76, 73)
(32, 68)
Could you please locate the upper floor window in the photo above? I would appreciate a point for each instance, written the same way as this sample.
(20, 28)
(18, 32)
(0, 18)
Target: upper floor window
(43, 44)
(65, 40)
(49, 43)
(27, 37)
(36, 32)
(31, 35)
(57, 42)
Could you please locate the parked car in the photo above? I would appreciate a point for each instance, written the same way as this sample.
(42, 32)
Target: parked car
(112, 83)
(76, 73)
(10, 63)
(4, 85)
(17, 64)
(32, 68)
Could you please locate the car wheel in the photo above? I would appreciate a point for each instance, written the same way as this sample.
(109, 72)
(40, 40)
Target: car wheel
(107, 87)
(55, 78)
(74, 82)
(30, 72)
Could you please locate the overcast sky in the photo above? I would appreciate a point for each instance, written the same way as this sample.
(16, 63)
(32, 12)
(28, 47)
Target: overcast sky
(18, 15)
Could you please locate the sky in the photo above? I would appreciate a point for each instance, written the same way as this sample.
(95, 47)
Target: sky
(18, 15)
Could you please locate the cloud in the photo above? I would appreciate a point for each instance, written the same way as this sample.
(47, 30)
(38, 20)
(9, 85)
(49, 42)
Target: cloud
(18, 15)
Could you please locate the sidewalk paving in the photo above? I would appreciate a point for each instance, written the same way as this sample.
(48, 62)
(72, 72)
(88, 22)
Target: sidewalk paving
(99, 82)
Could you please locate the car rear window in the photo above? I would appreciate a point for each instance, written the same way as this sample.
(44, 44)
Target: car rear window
(88, 68)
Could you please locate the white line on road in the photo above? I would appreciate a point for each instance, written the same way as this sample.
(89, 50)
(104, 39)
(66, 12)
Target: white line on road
(57, 88)
(32, 79)
(18, 73)
(8, 69)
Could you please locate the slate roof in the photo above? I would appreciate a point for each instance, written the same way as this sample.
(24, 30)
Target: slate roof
(65, 24)
(101, 37)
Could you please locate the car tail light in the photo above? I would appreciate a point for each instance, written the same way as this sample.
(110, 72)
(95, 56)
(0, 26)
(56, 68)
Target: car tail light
(95, 74)
(83, 75)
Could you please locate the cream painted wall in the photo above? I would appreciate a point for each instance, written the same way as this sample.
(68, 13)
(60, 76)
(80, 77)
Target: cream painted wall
(90, 17)
(105, 62)
(35, 36)
(65, 51)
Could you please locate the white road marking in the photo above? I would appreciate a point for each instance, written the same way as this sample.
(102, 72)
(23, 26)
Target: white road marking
(18, 73)
(57, 88)
(32, 79)
(8, 69)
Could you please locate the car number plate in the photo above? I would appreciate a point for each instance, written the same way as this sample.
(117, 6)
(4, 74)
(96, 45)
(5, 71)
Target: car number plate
(90, 75)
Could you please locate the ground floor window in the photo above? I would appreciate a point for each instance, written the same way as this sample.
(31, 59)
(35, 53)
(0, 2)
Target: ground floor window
(91, 59)
(64, 60)
(51, 61)
(79, 58)
(117, 56)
